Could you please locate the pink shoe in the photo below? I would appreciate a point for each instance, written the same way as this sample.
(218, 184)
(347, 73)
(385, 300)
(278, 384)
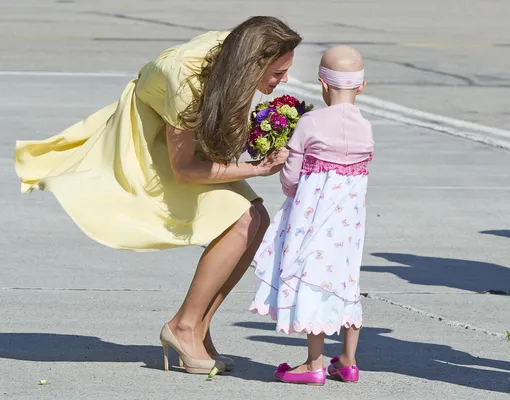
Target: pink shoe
(317, 377)
(345, 374)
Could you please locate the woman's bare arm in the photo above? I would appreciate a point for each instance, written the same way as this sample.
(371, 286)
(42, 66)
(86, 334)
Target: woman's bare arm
(187, 169)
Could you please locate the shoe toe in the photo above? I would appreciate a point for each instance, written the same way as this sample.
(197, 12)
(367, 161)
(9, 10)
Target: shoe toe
(229, 363)
(220, 365)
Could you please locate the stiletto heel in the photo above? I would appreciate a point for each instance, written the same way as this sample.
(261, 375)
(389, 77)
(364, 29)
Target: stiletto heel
(191, 365)
(181, 364)
(165, 356)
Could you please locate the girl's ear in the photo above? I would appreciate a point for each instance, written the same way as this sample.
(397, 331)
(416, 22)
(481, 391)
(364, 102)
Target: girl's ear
(360, 89)
(324, 85)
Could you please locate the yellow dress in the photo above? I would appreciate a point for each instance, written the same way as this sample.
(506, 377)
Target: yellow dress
(111, 171)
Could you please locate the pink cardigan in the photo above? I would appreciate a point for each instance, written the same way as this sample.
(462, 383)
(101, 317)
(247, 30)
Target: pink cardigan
(336, 134)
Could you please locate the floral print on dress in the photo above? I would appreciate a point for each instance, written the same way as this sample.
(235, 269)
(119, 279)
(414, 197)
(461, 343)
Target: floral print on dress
(310, 281)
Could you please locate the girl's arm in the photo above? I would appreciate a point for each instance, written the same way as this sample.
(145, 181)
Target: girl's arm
(187, 169)
(289, 176)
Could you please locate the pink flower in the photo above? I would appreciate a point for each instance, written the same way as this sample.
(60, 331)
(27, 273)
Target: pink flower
(257, 132)
(278, 121)
(276, 126)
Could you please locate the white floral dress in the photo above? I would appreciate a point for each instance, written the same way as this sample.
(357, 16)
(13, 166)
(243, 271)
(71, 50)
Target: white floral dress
(309, 261)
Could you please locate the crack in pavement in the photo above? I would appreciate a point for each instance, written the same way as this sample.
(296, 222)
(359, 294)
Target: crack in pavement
(438, 317)
(360, 28)
(365, 294)
(455, 324)
(468, 81)
(147, 20)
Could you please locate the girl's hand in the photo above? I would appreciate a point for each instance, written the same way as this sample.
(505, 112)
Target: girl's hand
(274, 162)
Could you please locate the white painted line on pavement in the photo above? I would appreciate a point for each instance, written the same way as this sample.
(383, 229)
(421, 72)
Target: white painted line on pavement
(70, 74)
(384, 122)
(410, 116)
(371, 105)
(434, 188)
(389, 106)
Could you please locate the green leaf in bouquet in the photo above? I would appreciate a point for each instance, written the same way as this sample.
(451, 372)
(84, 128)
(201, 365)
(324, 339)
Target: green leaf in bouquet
(265, 126)
(261, 106)
(280, 142)
(262, 144)
(289, 112)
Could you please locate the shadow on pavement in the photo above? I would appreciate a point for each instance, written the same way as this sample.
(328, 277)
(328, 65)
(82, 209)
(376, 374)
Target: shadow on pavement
(52, 347)
(500, 232)
(469, 275)
(380, 353)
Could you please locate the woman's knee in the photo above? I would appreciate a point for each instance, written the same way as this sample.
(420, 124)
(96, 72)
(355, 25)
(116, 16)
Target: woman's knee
(249, 223)
(254, 221)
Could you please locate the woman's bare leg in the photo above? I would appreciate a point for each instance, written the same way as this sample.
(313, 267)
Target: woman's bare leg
(217, 265)
(237, 274)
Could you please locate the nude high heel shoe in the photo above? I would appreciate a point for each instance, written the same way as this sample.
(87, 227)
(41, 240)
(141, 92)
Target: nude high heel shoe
(191, 365)
(229, 363)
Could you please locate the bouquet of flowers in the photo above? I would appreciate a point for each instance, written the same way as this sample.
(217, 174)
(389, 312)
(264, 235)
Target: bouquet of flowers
(272, 124)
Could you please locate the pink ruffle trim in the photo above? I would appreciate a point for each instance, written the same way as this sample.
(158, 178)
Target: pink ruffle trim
(296, 327)
(312, 164)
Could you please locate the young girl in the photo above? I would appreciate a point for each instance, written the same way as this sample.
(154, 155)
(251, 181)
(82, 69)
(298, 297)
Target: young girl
(309, 261)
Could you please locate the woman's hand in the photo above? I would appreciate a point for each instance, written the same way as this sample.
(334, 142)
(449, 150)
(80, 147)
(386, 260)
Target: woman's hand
(274, 162)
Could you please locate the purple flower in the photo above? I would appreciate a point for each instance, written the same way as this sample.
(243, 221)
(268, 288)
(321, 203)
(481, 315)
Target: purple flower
(300, 107)
(251, 151)
(262, 115)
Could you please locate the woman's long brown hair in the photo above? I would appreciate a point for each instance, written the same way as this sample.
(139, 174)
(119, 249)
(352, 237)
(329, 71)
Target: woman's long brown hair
(229, 79)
